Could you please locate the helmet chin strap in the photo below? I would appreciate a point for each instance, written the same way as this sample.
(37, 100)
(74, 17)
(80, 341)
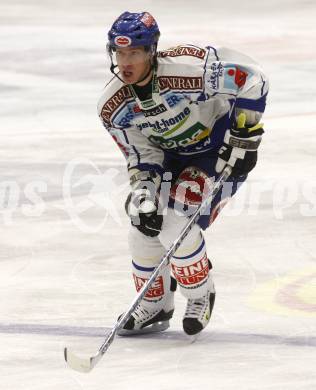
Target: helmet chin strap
(112, 69)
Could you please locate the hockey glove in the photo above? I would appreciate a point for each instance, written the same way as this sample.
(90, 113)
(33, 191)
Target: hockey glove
(240, 148)
(141, 206)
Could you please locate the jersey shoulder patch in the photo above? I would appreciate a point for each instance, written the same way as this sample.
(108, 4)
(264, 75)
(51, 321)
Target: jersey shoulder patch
(183, 50)
(226, 77)
(181, 68)
(114, 97)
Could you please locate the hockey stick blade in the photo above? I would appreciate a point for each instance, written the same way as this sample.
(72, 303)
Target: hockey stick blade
(86, 364)
(80, 364)
(76, 363)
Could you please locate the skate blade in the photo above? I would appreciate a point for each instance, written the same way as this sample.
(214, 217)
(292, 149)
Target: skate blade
(154, 328)
(193, 338)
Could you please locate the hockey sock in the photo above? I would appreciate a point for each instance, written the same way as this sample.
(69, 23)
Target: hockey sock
(191, 271)
(157, 294)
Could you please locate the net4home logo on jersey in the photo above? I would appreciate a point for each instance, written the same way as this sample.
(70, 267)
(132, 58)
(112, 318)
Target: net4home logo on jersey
(192, 135)
(165, 125)
(172, 133)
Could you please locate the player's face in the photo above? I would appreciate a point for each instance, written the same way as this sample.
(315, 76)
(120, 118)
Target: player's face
(133, 63)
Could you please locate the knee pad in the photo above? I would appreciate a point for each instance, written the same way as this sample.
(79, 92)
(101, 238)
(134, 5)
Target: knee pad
(145, 251)
(173, 223)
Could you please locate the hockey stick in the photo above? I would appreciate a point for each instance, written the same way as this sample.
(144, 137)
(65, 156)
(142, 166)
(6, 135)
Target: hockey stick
(87, 364)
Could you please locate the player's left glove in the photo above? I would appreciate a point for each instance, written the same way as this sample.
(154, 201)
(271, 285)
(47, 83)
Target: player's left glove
(240, 148)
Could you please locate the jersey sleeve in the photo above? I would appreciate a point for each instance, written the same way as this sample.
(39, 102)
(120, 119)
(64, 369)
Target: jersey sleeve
(140, 154)
(236, 77)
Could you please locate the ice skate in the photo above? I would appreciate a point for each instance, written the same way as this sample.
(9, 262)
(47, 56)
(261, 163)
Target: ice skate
(198, 311)
(145, 320)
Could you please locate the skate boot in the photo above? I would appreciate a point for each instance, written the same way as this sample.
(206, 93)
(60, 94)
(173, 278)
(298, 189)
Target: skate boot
(198, 311)
(147, 318)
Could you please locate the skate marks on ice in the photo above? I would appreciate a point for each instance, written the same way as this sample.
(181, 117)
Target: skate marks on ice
(206, 337)
(53, 330)
(214, 337)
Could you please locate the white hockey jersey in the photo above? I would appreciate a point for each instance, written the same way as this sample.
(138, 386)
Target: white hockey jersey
(193, 89)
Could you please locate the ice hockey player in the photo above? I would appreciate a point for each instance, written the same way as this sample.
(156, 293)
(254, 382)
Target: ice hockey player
(179, 116)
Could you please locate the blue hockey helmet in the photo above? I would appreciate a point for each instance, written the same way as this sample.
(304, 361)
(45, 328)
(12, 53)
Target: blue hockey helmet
(134, 29)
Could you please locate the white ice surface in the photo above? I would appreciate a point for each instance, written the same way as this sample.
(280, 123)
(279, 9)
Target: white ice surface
(64, 264)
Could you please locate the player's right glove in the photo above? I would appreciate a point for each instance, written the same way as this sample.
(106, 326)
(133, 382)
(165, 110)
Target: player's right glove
(142, 206)
(240, 148)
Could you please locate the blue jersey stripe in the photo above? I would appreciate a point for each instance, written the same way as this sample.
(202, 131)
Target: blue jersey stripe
(250, 104)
